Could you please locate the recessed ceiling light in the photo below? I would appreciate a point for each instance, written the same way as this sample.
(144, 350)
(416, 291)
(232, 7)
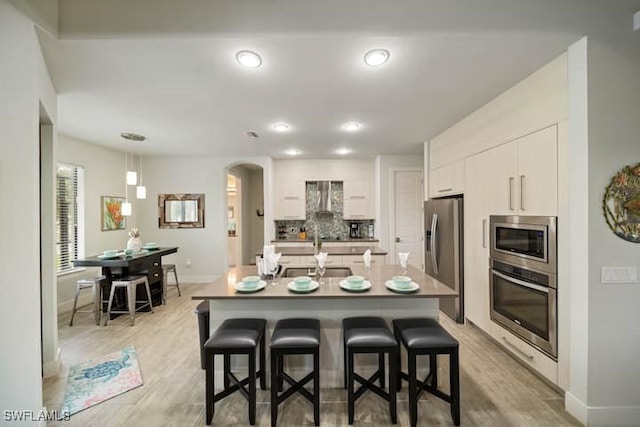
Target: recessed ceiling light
(376, 57)
(351, 126)
(293, 152)
(249, 59)
(280, 127)
(342, 151)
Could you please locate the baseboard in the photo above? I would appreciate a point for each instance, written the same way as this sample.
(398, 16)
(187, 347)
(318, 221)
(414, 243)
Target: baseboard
(51, 369)
(576, 407)
(602, 416)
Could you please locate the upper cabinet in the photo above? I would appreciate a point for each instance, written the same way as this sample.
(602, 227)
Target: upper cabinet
(290, 200)
(358, 203)
(447, 180)
(536, 185)
(526, 175)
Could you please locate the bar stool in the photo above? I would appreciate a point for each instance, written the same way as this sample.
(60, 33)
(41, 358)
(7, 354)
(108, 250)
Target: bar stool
(202, 311)
(95, 284)
(295, 336)
(235, 336)
(425, 336)
(130, 283)
(369, 335)
(166, 269)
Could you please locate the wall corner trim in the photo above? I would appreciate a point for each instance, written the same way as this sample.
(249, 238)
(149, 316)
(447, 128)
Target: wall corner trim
(51, 368)
(636, 21)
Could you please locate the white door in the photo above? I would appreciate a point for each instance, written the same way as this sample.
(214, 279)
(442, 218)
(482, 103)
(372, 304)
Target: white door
(406, 231)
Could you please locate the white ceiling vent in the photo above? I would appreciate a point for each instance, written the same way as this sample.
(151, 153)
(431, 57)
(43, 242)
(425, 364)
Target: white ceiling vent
(251, 134)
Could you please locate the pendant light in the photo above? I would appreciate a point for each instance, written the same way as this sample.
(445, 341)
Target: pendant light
(131, 175)
(141, 190)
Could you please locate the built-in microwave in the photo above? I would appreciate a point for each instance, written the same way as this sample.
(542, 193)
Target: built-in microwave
(527, 241)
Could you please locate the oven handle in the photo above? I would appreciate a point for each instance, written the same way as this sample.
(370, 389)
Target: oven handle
(521, 282)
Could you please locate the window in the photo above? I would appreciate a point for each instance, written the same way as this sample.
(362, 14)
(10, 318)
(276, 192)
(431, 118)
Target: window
(69, 215)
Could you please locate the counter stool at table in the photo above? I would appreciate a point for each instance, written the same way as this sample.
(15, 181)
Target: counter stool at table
(95, 284)
(425, 336)
(235, 337)
(370, 335)
(130, 283)
(166, 269)
(295, 336)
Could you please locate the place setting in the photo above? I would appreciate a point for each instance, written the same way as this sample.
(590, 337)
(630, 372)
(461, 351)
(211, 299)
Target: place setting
(111, 254)
(250, 284)
(355, 284)
(402, 284)
(303, 285)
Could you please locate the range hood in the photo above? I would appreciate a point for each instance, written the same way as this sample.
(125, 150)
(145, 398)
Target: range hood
(323, 197)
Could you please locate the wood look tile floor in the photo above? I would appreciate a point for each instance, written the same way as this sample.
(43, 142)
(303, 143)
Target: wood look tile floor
(495, 389)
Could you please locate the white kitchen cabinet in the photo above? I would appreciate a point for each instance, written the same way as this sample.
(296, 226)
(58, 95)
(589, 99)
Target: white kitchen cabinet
(477, 208)
(537, 180)
(527, 354)
(528, 170)
(290, 200)
(358, 260)
(447, 180)
(517, 178)
(358, 203)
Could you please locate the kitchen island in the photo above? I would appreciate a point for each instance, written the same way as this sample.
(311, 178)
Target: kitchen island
(329, 303)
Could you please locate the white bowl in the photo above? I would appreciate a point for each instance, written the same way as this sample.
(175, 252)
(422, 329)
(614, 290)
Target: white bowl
(302, 282)
(355, 281)
(250, 282)
(402, 282)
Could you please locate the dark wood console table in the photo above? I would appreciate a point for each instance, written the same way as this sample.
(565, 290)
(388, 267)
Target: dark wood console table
(148, 262)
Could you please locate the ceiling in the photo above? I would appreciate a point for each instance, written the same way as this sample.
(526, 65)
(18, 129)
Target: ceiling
(167, 70)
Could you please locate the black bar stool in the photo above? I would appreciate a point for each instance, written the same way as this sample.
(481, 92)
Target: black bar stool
(235, 336)
(370, 335)
(295, 336)
(425, 336)
(202, 311)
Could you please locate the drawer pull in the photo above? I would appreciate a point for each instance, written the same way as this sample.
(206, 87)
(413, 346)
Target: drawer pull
(444, 190)
(357, 197)
(155, 264)
(156, 275)
(516, 349)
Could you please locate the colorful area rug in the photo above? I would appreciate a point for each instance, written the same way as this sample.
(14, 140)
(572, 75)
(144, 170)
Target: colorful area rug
(97, 380)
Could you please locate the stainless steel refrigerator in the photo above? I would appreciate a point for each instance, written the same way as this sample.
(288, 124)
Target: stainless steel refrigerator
(444, 250)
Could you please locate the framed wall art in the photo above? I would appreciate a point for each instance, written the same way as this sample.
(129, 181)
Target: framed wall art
(111, 213)
(621, 203)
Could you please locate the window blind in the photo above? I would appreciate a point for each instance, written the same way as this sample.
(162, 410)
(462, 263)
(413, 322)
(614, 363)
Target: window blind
(66, 216)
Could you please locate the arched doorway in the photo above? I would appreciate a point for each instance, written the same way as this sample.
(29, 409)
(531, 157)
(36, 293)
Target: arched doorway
(245, 213)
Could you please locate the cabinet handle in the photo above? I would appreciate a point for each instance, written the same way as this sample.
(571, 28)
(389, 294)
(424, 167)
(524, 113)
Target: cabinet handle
(522, 192)
(511, 179)
(156, 275)
(357, 197)
(291, 198)
(155, 264)
(291, 216)
(484, 234)
(516, 349)
(444, 190)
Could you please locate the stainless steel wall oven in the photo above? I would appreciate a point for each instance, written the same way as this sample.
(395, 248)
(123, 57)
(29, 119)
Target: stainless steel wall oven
(522, 278)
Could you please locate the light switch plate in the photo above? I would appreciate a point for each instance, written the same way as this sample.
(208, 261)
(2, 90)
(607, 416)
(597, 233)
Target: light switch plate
(619, 275)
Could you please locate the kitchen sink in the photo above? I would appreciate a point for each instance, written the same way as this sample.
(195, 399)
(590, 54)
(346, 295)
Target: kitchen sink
(306, 271)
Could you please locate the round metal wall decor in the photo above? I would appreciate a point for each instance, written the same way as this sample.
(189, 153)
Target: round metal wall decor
(621, 203)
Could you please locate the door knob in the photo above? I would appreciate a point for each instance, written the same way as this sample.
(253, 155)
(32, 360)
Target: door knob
(397, 240)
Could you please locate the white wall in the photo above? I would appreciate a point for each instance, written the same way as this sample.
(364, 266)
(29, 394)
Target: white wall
(104, 172)
(204, 247)
(24, 83)
(614, 141)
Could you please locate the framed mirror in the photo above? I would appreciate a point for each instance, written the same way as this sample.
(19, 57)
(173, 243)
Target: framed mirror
(181, 210)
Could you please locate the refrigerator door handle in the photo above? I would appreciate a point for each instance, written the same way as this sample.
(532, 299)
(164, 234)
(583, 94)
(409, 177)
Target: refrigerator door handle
(434, 240)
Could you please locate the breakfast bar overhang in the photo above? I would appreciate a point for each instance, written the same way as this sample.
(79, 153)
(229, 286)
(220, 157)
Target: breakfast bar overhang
(329, 304)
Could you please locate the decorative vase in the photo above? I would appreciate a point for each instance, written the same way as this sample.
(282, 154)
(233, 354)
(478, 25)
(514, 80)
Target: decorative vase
(135, 244)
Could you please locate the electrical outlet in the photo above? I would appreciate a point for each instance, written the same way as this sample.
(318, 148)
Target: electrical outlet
(619, 275)
(188, 262)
